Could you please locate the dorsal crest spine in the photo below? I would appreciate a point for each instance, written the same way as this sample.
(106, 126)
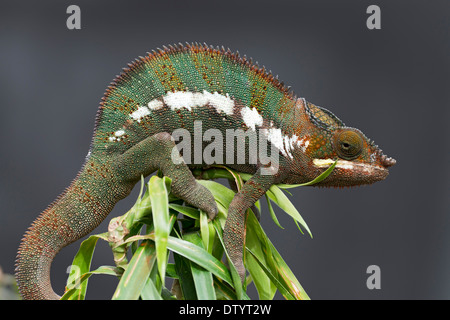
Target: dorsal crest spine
(204, 48)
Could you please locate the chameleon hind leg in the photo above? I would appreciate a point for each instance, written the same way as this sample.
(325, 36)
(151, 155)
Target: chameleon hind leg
(234, 231)
(160, 152)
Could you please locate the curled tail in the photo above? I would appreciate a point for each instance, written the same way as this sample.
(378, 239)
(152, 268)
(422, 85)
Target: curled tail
(37, 250)
(76, 212)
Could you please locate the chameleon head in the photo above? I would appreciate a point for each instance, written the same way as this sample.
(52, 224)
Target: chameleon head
(359, 160)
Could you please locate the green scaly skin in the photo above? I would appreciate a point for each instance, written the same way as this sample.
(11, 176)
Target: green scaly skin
(169, 89)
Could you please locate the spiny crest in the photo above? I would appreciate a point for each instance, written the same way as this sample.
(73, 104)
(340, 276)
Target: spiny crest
(200, 48)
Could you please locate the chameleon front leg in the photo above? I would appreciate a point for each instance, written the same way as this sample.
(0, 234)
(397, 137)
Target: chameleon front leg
(234, 231)
(160, 152)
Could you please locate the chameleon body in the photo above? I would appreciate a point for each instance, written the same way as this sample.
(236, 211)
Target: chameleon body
(175, 88)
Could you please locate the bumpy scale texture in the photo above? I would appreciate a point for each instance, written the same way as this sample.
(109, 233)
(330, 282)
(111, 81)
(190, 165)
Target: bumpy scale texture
(178, 88)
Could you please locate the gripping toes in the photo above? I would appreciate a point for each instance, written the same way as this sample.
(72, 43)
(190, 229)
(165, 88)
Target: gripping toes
(206, 201)
(188, 189)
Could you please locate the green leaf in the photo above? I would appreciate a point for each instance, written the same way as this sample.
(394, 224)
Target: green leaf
(288, 277)
(73, 294)
(204, 230)
(203, 279)
(207, 232)
(271, 262)
(160, 208)
(185, 278)
(170, 271)
(135, 276)
(81, 264)
(224, 291)
(200, 257)
(283, 290)
(277, 196)
(272, 212)
(187, 211)
(318, 179)
(196, 254)
(256, 241)
(150, 292)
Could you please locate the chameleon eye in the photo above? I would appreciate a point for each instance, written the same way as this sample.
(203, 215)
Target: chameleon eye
(348, 144)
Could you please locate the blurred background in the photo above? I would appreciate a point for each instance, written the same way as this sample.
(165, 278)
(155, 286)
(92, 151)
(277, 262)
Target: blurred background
(391, 83)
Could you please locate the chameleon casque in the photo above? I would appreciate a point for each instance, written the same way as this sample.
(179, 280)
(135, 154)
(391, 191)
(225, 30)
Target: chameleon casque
(169, 89)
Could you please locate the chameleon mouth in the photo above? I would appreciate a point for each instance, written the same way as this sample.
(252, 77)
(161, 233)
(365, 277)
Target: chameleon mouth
(344, 164)
(348, 173)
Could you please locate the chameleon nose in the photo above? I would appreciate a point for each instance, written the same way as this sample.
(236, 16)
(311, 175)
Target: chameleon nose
(387, 161)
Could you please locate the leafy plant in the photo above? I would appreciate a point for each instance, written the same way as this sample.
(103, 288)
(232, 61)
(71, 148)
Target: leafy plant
(160, 223)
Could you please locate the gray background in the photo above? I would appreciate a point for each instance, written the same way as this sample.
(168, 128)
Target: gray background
(390, 83)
